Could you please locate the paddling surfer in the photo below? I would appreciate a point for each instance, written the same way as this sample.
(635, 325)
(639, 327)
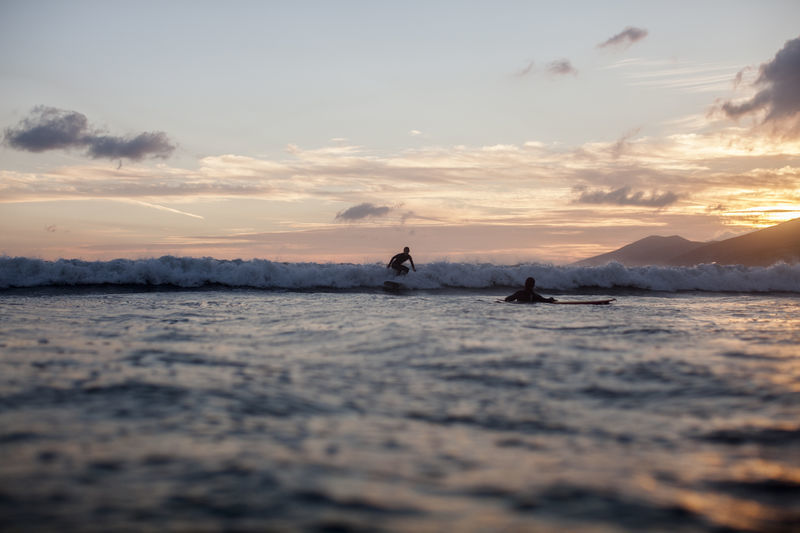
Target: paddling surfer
(528, 295)
(397, 261)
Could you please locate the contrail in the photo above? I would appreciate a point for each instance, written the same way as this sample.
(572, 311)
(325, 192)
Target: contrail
(163, 208)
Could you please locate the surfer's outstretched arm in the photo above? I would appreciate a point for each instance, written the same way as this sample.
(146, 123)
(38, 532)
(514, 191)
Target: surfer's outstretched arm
(531, 297)
(412, 263)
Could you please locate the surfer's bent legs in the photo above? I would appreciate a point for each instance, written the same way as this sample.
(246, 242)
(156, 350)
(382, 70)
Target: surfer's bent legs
(400, 270)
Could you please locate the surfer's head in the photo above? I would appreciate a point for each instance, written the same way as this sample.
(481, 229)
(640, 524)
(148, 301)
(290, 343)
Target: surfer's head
(406, 249)
(530, 283)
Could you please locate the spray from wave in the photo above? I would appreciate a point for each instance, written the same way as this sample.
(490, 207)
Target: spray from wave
(186, 272)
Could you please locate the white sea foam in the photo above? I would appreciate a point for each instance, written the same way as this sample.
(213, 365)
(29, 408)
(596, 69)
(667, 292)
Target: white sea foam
(259, 273)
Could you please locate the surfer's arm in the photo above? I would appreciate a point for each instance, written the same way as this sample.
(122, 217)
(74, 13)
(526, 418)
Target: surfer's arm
(412, 263)
(515, 296)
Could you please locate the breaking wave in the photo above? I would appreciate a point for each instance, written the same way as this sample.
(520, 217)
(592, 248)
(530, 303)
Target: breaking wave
(169, 271)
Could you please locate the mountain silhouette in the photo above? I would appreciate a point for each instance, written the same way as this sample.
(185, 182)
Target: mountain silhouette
(780, 243)
(653, 250)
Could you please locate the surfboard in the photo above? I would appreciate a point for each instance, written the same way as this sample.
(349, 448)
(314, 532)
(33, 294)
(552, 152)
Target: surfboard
(587, 302)
(393, 286)
(580, 302)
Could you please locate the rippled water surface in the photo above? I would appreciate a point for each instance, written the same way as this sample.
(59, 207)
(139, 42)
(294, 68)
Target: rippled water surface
(248, 410)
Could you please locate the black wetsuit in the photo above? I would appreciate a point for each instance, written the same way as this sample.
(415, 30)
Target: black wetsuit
(524, 295)
(397, 261)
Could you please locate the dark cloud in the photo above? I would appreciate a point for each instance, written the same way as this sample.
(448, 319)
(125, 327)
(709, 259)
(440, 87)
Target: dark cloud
(624, 196)
(48, 128)
(779, 96)
(561, 67)
(365, 210)
(625, 38)
(153, 144)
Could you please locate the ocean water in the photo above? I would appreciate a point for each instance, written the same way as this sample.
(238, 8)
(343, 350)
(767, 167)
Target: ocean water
(180, 394)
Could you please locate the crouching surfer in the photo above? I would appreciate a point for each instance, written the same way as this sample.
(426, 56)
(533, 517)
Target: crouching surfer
(528, 295)
(397, 261)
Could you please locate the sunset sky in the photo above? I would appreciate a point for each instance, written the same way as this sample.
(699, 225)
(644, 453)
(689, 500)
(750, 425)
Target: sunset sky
(499, 131)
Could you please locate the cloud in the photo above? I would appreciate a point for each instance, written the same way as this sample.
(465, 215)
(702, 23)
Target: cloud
(558, 67)
(625, 38)
(779, 96)
(154, 144)
(740, 76)
(48, 128)
(561, 67)
(361, 211)
(678, 75)
(525, 71)
(618, 148)
(432, 185)
(624, 196)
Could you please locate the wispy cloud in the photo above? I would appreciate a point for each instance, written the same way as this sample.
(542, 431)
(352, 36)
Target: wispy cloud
(625, 38)
(525, 71)
(618, 149)
(558, 67)
(561, 67)
(681, 76)
(624, 196)
(49, 128)
(362, 211)
(447, 185)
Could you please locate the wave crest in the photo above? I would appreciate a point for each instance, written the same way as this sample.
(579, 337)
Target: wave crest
(260, 273)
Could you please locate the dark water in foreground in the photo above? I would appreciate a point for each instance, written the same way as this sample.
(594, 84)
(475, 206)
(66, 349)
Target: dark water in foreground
(250, 410)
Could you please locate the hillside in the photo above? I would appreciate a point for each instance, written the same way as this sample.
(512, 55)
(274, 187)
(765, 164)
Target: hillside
(759, 248)
(653, 250)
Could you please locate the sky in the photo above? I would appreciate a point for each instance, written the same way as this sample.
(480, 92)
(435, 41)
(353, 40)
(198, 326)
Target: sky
(341, 131)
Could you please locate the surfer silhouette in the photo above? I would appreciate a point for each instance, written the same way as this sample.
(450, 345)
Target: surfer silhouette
(397, 261)
(528, 295)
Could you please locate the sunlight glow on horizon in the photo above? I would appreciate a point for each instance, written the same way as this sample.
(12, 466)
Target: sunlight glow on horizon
(764, 216)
